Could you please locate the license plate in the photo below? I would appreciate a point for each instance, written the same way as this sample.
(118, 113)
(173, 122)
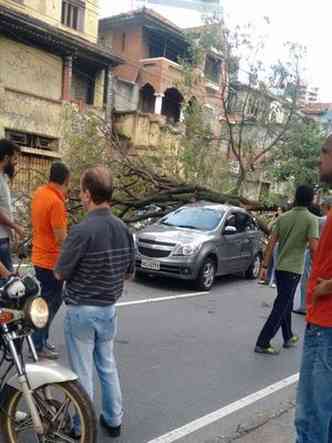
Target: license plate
(150, 264)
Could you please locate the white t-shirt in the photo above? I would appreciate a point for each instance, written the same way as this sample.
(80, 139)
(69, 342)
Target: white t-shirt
(5, 205)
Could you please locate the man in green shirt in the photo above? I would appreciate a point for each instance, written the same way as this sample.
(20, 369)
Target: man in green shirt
(293, 231)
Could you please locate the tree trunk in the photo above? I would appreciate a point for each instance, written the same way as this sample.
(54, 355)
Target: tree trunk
(240, 181)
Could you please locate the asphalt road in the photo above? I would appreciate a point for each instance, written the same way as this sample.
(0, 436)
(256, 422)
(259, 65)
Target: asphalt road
(183, 358)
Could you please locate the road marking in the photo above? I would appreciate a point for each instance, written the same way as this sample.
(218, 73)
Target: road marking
(223, 412)
(160, 299)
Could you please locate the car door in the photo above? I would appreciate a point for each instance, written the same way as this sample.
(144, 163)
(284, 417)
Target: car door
(229, 247)
(256, 238)
(246, 227)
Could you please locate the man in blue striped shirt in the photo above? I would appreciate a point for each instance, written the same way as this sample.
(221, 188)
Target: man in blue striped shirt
(97, 256)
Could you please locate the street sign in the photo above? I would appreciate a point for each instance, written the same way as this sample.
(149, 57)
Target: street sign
(196, 5)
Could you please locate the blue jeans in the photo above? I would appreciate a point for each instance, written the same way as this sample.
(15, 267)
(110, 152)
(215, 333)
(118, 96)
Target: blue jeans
(5, 254)
(5, 257)
(281, 314)
(51, 291)
(90, 333)
(313, 419)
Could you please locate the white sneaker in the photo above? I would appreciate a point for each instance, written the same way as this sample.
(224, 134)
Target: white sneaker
(21, 416)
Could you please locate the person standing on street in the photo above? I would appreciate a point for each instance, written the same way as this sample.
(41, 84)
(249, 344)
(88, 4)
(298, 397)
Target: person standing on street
(9, 152)
(270, 275)
(292, 231)
(49, 230)
(301, 290)
(313, 418)
(97, 256)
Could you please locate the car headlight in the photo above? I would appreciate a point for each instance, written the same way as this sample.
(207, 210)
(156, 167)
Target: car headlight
(36, 312)
(188, 249)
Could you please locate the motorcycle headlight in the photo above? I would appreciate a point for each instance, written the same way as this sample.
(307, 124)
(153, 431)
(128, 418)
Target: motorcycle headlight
(14, 288)
(36, 312)
(188, 249)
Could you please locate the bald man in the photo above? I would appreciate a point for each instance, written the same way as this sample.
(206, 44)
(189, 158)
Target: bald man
(97, 256)
(314, 400)
(326, 205)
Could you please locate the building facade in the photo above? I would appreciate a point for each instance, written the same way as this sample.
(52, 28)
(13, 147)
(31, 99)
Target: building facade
(49, 57)
(149, 79)
(320, 113)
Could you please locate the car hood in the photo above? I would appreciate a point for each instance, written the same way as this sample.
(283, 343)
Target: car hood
(169, 234)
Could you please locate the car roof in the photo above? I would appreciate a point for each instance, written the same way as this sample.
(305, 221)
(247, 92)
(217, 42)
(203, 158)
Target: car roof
(216, 206)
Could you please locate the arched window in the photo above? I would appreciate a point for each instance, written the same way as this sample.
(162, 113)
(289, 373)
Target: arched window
(147, 99)
(172, 105)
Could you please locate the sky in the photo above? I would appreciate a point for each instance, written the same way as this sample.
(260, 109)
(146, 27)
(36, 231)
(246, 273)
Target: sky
(290, 20)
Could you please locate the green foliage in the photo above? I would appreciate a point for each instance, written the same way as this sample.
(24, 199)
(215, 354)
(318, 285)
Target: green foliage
(202, 156)
(259, 111)
(85, 142)
(296, 160)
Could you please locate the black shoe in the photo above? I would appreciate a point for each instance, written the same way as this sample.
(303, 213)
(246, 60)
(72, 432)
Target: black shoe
(50, 346)
(112, 431)
(292, 342)
(74, 435)
(47, 354)
(269, 350)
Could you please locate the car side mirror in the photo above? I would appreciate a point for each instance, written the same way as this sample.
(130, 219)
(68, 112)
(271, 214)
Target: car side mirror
(229, 230)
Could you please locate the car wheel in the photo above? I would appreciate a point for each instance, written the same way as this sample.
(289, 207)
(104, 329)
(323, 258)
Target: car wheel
(253, 271)
(206, 275)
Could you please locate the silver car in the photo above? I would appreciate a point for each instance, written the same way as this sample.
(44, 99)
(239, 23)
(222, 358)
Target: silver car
(199, 242)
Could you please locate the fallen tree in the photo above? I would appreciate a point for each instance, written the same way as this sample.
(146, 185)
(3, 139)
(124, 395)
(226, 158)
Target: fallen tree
(145, 187)
(137, 188)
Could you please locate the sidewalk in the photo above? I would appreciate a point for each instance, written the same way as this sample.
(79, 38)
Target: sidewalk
(277, 430)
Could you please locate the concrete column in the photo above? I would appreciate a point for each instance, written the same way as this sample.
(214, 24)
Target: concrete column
(2, 100)
(135, 98)
(108, 93)
(158, 103)
(99, 91)
(67, 77)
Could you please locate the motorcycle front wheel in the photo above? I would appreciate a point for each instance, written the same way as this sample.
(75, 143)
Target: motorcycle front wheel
(65, 410)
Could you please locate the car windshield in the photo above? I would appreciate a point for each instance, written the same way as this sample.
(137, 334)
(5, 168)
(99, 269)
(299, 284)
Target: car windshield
(202, 219)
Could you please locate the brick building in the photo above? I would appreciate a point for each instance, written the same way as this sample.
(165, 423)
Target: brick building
(49, 56)
(148, 81)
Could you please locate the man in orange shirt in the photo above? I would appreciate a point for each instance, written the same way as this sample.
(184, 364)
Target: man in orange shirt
(314, 399)
(49, 230)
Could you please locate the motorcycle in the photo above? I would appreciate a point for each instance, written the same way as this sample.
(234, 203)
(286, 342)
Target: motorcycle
(40, 401)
